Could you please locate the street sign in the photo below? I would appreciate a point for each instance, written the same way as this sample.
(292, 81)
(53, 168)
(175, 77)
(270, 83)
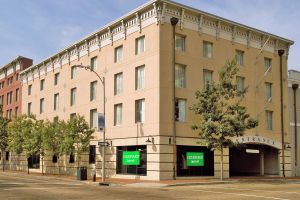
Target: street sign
(195, 159)
(131, 158)
(101, 121)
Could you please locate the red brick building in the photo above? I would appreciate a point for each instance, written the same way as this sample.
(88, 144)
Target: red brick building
(10, 86)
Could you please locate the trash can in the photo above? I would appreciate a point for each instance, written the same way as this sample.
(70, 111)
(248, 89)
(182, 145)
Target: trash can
(82, 173)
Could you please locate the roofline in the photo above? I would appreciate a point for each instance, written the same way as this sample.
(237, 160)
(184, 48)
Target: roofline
(151, 2)
(12, 61)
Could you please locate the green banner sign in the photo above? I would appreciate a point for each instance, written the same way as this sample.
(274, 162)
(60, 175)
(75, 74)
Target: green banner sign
(131, 158)
(195, 159)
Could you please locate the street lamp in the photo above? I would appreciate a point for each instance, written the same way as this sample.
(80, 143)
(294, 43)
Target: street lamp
(103, 144)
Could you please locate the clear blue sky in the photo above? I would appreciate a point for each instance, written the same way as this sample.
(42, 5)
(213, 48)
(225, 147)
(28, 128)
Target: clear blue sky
(40, 28)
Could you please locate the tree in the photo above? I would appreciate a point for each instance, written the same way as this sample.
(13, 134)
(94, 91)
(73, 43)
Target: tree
(221, 116)
(25, 136)
(3, 137)
(53, 137)
(78, 137)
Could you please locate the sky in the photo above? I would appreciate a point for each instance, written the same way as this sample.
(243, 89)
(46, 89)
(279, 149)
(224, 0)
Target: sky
(40, 28)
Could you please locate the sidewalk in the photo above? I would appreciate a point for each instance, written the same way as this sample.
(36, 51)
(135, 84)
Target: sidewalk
(164, 183)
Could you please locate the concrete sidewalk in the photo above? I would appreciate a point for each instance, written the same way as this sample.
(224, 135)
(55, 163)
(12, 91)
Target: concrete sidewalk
(164, 183)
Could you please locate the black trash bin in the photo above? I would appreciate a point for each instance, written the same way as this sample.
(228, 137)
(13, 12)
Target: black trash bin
(82, 173)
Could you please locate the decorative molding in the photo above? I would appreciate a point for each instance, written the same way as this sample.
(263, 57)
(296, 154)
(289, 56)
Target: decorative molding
(138, 21)
(218, 29)
(182, 18)
(233, 33)
(163, 13)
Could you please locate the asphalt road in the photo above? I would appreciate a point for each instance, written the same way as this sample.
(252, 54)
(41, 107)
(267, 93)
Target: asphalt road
(21, 186)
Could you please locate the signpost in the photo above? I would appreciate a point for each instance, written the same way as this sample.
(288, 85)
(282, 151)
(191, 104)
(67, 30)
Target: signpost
(195, 159)
(131, 158)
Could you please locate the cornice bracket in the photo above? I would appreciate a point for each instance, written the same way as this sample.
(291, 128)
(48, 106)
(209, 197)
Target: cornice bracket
(138, 20)
(124, 29)
(218, 29)
(87, 47)
(200, 24)
(163, 12)
(233, 34)
(182, 18)
(249, 35)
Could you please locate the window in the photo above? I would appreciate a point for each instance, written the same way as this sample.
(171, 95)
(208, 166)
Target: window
(73, 97)
(92, 154)
(56, 101)
(17, 77)
(72, 115)
(269, 120)
(207, 78)
(42, 84)
(207, 49)
(73, 72)
(179, 42)
(118, 54)
(180, 80)
(93, 118)
(140, 78)
(7, 155)
(93, 90)
(239, 57)
(118, 83)
(71, 158)
(140, 110)
(180, 110)
(240, 84)
(42, 101)
(268, 64)
(118, 114)
(17, 94)
(9, 114)
(268, 92)
(16, 111)
(55, 119)
(9, 98)
(29, 89)
(1, 100)
(29, 108)
(140, 45)
(54, 159)
(94, 63)
(140, 168)
(56, 78)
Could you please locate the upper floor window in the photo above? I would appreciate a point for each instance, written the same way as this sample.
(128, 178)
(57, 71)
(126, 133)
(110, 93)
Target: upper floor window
(56, 78)
(73, 97)
(207, 78)
(268, 64)
(56, 101)
(93, 118)
(17, 77)
(42, 84)
(16, 111)
(118, 83)
(268, 92)
(140, 45)
(29, 109)
(1, 100)
(92, 154)
(93, 90)
(72, 115)
(140, 77)
(269, 120)
(140, 110)
(239, 57)
(2, 85)
(180, 110)
(29, 89)
(207, 49)
(240, 83)
(179, 42)
(73, 72)
(118, 114)
(180, 79)
(42, 101)
(118, 54)
(17, 94)
(94, 63)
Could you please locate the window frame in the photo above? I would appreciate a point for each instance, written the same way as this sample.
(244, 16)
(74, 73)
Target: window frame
(206, 54)
(137, 52)
(137, 77)
(178, 48)
(118, 59)
(116, 122)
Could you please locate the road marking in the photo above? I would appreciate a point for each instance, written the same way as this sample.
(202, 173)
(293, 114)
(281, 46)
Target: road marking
(239, 194)
(232, 188)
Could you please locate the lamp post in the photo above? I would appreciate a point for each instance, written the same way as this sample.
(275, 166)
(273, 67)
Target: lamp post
(102, 80)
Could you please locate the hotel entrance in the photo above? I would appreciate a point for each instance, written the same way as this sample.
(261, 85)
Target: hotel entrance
(253, 160)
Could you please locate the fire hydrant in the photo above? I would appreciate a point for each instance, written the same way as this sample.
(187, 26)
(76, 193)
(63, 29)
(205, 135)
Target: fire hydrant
(94, 174)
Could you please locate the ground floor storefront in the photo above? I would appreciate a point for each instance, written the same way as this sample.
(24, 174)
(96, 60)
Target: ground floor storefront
(158, 158)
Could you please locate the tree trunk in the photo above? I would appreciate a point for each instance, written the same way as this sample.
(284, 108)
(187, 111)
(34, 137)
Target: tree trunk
(58, 166)
(3, 162)
(27, 165)
(43, 165)
(221, 163)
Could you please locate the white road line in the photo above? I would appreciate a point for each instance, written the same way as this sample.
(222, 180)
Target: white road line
(239, 194)
(232, 188)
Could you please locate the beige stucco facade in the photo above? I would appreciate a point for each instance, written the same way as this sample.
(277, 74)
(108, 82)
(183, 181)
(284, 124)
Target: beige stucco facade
(153, 21)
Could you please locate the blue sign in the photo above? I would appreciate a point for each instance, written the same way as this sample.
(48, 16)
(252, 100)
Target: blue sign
(101, 121)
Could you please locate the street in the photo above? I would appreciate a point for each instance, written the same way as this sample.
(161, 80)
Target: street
(21, 186)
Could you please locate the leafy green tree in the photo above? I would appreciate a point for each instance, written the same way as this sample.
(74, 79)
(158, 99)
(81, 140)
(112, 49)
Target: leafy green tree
(221, 115)
(53, 137)
(78, 137)
(3, 137)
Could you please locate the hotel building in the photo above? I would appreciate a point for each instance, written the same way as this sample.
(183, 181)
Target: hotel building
(150, 85)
